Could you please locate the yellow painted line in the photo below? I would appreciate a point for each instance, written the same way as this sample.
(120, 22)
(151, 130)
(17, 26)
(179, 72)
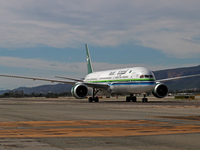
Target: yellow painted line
(75, 123)
(92, 128)
(99, 132)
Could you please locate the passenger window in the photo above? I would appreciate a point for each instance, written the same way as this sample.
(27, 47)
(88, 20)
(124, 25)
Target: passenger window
(146, 76)
(142, 76)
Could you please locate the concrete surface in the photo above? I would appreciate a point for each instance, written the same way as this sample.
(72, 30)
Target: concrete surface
(67, 123)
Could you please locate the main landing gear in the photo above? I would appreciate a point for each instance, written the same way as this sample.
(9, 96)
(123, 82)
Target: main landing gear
(131, 98)
(94, 98)
(134, 98)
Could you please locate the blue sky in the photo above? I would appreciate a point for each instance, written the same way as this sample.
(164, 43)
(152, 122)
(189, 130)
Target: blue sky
(44, 38)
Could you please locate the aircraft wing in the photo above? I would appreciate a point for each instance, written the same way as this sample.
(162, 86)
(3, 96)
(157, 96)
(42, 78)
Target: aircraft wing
(176, 78)
(78, 80)
(93, 85)
(97, 85)
(41, 79)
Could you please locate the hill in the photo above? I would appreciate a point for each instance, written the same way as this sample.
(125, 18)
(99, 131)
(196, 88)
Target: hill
(44, 89)
(188, 83)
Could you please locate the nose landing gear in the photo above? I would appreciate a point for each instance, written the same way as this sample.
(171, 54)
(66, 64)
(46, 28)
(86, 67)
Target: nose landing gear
(144, 100)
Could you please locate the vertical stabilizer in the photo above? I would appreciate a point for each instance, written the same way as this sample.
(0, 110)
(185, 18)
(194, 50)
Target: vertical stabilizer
(89, 63)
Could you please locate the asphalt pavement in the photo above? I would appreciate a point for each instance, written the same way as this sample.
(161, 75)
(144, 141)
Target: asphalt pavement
(68, 123)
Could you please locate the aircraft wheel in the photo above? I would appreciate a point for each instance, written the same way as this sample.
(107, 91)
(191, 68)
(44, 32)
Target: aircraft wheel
(134, 99)
(128, 99)
(96, 99)
(144, 100)
(90, 99)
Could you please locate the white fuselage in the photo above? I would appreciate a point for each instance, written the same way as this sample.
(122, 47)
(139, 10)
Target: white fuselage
(128, 80)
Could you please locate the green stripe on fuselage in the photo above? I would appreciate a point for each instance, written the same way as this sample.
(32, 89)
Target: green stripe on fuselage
(120, 80)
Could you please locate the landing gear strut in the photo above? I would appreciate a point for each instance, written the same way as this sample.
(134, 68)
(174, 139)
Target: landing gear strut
(94, 98)
(131, 98)
(144, 100)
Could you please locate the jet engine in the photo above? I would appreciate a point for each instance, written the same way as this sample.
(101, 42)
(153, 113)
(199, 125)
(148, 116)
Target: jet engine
(160, 90)
(79, 90)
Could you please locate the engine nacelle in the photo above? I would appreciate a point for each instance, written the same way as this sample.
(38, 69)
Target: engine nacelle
(79, 90)
(160, 90)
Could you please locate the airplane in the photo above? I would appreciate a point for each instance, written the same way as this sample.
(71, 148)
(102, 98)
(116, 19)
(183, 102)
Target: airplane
(129, 81)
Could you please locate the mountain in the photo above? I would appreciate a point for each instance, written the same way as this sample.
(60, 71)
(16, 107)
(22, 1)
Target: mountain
(188, 83)
(44, 89)
(58, 88)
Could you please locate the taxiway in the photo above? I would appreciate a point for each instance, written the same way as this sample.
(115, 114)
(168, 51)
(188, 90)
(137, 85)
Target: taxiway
(67, 123)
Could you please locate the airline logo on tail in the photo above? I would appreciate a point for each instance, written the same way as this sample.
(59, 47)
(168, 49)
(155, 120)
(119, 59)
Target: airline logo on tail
(89, 64)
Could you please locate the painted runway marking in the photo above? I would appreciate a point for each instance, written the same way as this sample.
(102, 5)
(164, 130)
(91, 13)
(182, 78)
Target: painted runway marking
(92, 128)
(75, 123)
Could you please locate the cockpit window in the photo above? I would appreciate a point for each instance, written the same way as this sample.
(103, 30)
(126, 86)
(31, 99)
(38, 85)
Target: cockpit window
(150, 76)
(146, 76)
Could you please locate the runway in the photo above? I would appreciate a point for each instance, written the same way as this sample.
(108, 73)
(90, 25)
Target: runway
(67, 123)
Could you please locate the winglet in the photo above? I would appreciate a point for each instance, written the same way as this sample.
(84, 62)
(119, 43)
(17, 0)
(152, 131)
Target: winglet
(89, 63)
